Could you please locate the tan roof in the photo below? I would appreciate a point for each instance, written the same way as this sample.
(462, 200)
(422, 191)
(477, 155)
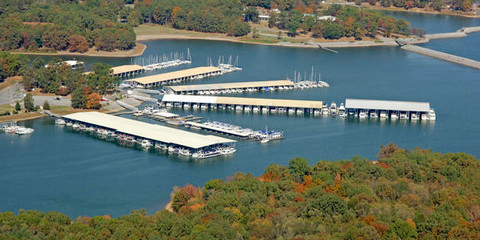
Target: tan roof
(126, 68)
(221, 86)
(147, 130)
(270, 102)
(242, 101)
(173, 75)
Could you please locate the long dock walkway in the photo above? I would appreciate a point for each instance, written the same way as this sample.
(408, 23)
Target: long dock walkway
(462, 32)
(443, 56)
(217, 129)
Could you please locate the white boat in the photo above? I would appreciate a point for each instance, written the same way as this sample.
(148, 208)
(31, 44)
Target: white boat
(414, 116)
(373, 115)
(76, 126)
(362, 114)
(325, 109)
(291, 111)
(69, 124)
(300, 111)
(146, 144)
(341, 110)
(403, 115)
(138, 113)
(184, 152)
(383, 114)
(23, 130)
(394, 115)
(265, 140)
(352, 113)
(431, 115)
(60, 121)
(333, 108)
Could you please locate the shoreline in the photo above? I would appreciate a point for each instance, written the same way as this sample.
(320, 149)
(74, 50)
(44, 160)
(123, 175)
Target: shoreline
(135, 52)
(419, 10)
(330, 44)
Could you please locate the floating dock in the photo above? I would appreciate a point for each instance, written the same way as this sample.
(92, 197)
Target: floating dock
(153, 132)
(242, 104)
(174, 77)
(217, 129)
(365, 108)
(222, 87)
(443, 56)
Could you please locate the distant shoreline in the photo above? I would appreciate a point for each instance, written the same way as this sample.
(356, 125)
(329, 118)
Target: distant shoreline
(418, 10)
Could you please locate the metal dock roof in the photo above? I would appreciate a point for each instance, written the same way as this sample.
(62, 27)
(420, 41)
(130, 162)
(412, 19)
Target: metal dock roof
(174, 75)
(126, 69)
(221, 86)
(242, 101)
(387, 105)
(147, 130)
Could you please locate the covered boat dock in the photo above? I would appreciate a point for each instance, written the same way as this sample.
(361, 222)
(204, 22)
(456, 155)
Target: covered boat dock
(239, 86)
(174, 77)
(263, 105)
(386, 109)
(125, 70)
(153, 132)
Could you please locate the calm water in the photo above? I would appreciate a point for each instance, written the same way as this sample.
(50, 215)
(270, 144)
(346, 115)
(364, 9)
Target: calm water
(55, 169)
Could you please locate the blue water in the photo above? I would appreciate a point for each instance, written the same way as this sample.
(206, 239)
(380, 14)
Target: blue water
(54, 169)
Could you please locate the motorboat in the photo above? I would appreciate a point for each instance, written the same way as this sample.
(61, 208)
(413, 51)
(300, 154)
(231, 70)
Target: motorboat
(60, 121)
(394, 115)
(403, 115)
(414, 116)
(341, 110)
(362, 114)
(325, 109)
(373, 115)
(383, 114)
(333, 108)
(146, 144)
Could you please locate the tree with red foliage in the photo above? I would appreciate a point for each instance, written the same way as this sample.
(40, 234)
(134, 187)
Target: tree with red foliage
(78, 44)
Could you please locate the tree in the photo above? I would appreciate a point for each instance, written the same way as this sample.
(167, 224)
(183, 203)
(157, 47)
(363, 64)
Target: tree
(79, 100)
(93, 101)
(28, 102)
(402, 230)
(46, 105)
(251, 15)
(299, 167)
(18, 107)
(78, 44)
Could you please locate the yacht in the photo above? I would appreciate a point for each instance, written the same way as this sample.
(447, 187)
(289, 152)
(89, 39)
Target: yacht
(352, 113)
(255, 109)
(363, 114)
(300, 111)
(373, 115)
(146, 144)
(264, 109)
(161, 146)
(23, 130)
(184, 152)
(324, 109)
(76, 126)
(60, 121)
(138, 113)
(333, 108)
(394, 116)
(403, 115)
(414, 116)
(341, 110)
(69, 124)
(202, 154)
(383, 114)
(431, 115)
(316, 112)
(291, 111)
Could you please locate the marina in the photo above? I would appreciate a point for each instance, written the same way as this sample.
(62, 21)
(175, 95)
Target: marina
(146, 135)
(174, 77)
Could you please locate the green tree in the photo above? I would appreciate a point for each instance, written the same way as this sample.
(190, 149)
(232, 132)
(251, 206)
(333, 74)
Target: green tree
(46, 105)
(28, 102)
(18, 107)
(299, 167)
(79, 100)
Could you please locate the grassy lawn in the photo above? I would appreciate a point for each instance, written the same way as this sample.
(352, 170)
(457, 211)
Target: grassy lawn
(22, 115)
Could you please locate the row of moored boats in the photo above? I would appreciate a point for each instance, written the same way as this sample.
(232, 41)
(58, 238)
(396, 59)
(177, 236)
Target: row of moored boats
(15, 129)
(146, 144)
(166, 64)
(263, 136)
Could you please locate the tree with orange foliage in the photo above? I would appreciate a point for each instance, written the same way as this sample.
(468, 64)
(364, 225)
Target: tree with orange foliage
(93, 101)
(78, 44)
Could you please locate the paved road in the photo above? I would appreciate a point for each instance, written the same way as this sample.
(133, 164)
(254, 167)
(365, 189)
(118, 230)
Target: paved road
(39, 100)
(11, 94)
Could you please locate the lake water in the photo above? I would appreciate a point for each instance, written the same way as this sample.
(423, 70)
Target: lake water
(54, 169)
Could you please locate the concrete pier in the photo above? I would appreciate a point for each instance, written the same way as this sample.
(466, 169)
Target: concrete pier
(443, 56)
(445, 35)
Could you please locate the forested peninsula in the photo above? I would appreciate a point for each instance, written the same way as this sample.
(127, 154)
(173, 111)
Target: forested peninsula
(404, 194)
